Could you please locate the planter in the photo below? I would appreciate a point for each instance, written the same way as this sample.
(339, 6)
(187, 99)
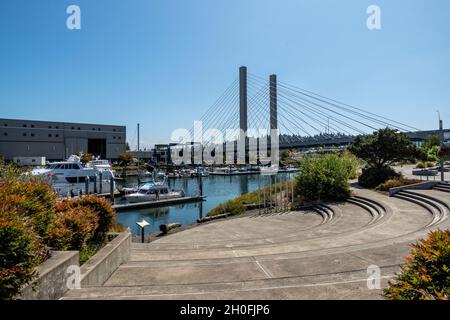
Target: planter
(99, 268)
(51, 283)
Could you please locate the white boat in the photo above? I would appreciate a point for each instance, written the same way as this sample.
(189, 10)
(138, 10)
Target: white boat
(68, 178)
(273, 169)
(152, 191)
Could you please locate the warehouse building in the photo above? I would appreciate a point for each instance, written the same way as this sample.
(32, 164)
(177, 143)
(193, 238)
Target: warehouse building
(59, 140)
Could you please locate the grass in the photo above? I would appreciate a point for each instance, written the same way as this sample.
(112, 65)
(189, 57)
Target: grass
(237, 205)
(88, 252)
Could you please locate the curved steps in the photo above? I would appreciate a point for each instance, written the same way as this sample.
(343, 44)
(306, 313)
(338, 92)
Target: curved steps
(437, 208)
(443, 186)
(325, 252)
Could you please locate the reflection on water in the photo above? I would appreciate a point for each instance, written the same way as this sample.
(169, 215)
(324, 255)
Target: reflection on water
(217, 189)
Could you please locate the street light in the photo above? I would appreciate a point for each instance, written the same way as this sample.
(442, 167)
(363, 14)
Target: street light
(142, 224)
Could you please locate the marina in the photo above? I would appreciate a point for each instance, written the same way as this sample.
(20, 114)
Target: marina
(216, 189)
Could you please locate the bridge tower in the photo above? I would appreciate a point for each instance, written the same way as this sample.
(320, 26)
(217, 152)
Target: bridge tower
(273, 101)
(243, 114)
(243, 98)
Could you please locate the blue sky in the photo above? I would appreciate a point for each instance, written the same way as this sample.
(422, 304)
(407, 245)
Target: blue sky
(163, 63)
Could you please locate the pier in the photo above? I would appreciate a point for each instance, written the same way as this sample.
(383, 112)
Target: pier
(157, 203)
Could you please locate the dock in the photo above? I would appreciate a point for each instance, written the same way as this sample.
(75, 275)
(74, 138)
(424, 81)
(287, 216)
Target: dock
(241, 173)
(157, 203)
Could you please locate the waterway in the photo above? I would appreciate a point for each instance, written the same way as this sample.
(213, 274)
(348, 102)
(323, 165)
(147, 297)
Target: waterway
(217, 189)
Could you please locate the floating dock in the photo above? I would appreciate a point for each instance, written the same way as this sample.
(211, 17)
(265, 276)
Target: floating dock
(157, 203)
(241, 173)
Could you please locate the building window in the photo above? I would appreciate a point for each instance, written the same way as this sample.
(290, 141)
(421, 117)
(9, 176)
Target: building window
(114, 129)
(6, 124)
(49, 135)
(120, 138)
(57, 135)
(24, 125)
(24, 134)
(98, 129)
(49, 127)
(114, 137)
(57, 127)
(5, 133)
(73, 128)
(32, 134)
(93, 128)
(79, 128)
(32, 125)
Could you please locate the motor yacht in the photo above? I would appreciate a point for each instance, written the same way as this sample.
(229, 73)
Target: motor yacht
(152, 191)
(69, 177)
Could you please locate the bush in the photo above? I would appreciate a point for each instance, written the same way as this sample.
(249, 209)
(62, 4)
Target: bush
(372, 177)
(426, 273)
(325, 177)
(104, 211)
(73, 229)
(395, 182)
(21, 250)
(420, 165)
(34, 200)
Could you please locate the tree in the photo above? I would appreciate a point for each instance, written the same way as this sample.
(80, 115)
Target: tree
(383, 147)
(125, 158)
(431, 141)
(127, 147)
(284, 155)
(85, 158)
(429, 148)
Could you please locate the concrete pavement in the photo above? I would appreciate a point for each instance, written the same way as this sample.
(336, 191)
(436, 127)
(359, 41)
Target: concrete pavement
(293, 255)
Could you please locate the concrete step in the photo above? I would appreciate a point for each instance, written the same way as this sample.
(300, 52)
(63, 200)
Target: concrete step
(373, 210)
(440, 188)
(437, 209)
(350, 284)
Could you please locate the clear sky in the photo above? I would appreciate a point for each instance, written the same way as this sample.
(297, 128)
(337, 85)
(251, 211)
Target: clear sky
(164, 62)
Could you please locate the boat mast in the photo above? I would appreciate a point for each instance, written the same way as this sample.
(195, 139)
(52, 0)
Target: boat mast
(138, 158)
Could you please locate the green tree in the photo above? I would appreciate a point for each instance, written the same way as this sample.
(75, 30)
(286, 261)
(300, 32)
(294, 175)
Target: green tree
(383, 147)
(125, 158)
(127, 147)
(431, 141)
(85, 158)
(284, 155)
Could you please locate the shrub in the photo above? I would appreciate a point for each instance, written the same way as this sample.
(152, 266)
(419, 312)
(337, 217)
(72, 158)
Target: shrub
(420, 165)
(73, 229)
(20, 252)
(103, 209)
(395, 182)
(324, 177)
(34, 200)
(372, 177)
(426, 273)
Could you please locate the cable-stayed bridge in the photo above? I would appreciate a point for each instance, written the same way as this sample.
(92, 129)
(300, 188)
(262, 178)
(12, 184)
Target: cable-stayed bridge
(303, 118)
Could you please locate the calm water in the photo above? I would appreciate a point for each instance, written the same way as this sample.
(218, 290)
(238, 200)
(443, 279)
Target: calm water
(217, 189)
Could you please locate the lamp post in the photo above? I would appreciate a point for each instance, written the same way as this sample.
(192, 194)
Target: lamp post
(142, 224)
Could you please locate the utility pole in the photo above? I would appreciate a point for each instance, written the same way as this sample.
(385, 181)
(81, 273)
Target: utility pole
(138, 149)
